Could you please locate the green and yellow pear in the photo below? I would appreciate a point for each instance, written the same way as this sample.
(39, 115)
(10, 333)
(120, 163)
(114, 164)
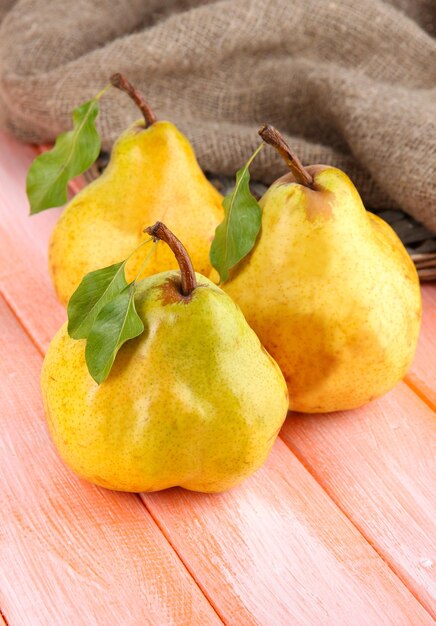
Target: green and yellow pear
(152, 175)
(194, 401)
(329, 289)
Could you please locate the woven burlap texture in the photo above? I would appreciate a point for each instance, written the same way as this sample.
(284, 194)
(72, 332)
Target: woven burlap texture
(349, 82)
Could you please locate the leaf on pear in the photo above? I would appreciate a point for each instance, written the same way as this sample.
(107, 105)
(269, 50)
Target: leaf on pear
(116, 323)
(94, 292)
(73, 153)
(237, 233)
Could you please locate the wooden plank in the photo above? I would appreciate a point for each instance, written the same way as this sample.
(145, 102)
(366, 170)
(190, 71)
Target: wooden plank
(275, 550)
(377, 463)
(24, 278)
(305, 536)
(71, 553)
(422, 376)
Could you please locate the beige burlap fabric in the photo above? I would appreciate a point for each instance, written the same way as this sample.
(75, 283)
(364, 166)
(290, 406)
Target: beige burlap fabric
(350, 82)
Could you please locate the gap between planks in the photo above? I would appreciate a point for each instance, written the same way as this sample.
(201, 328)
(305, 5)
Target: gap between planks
(372, 542)
(417, 390)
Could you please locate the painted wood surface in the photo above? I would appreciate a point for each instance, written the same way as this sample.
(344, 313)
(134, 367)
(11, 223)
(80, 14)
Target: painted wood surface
(71, 553)
(276, 549)
(258, 552)
(422, 376)
(225, 541)
(24, 277)
(378, 465)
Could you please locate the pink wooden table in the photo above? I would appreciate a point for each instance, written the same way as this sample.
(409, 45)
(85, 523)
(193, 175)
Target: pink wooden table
(336, 529)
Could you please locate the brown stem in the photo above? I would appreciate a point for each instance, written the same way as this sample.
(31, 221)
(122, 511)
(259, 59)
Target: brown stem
(160, 231)
(272, 136)
(120, 82)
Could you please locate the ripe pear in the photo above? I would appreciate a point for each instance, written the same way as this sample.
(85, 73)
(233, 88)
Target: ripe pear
(329, 289)
(152, 175)
(194, 401)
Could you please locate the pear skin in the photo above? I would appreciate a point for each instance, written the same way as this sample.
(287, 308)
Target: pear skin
(331, 292)
(152, 175)
(195, 401)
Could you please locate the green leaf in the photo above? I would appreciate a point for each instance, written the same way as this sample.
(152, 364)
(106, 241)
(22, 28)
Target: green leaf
(94, 292)
(116, 323)
(237, 233)
(73, 153)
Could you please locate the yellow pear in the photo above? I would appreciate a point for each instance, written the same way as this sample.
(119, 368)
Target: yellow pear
(194, 401)
(329, 289)
(152, 175)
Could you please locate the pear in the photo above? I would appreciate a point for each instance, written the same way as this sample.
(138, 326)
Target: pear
(152, 175)
(194, 401)
(329, 289)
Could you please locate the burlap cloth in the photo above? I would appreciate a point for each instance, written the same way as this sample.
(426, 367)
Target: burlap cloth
(350, 82)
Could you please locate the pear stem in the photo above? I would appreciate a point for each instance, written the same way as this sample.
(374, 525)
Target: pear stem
(272, 136)
(120, 82)
(161, 232)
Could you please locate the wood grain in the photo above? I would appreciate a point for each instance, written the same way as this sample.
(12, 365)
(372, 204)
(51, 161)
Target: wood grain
(276, 551)
(378, 465)
(71, 553)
